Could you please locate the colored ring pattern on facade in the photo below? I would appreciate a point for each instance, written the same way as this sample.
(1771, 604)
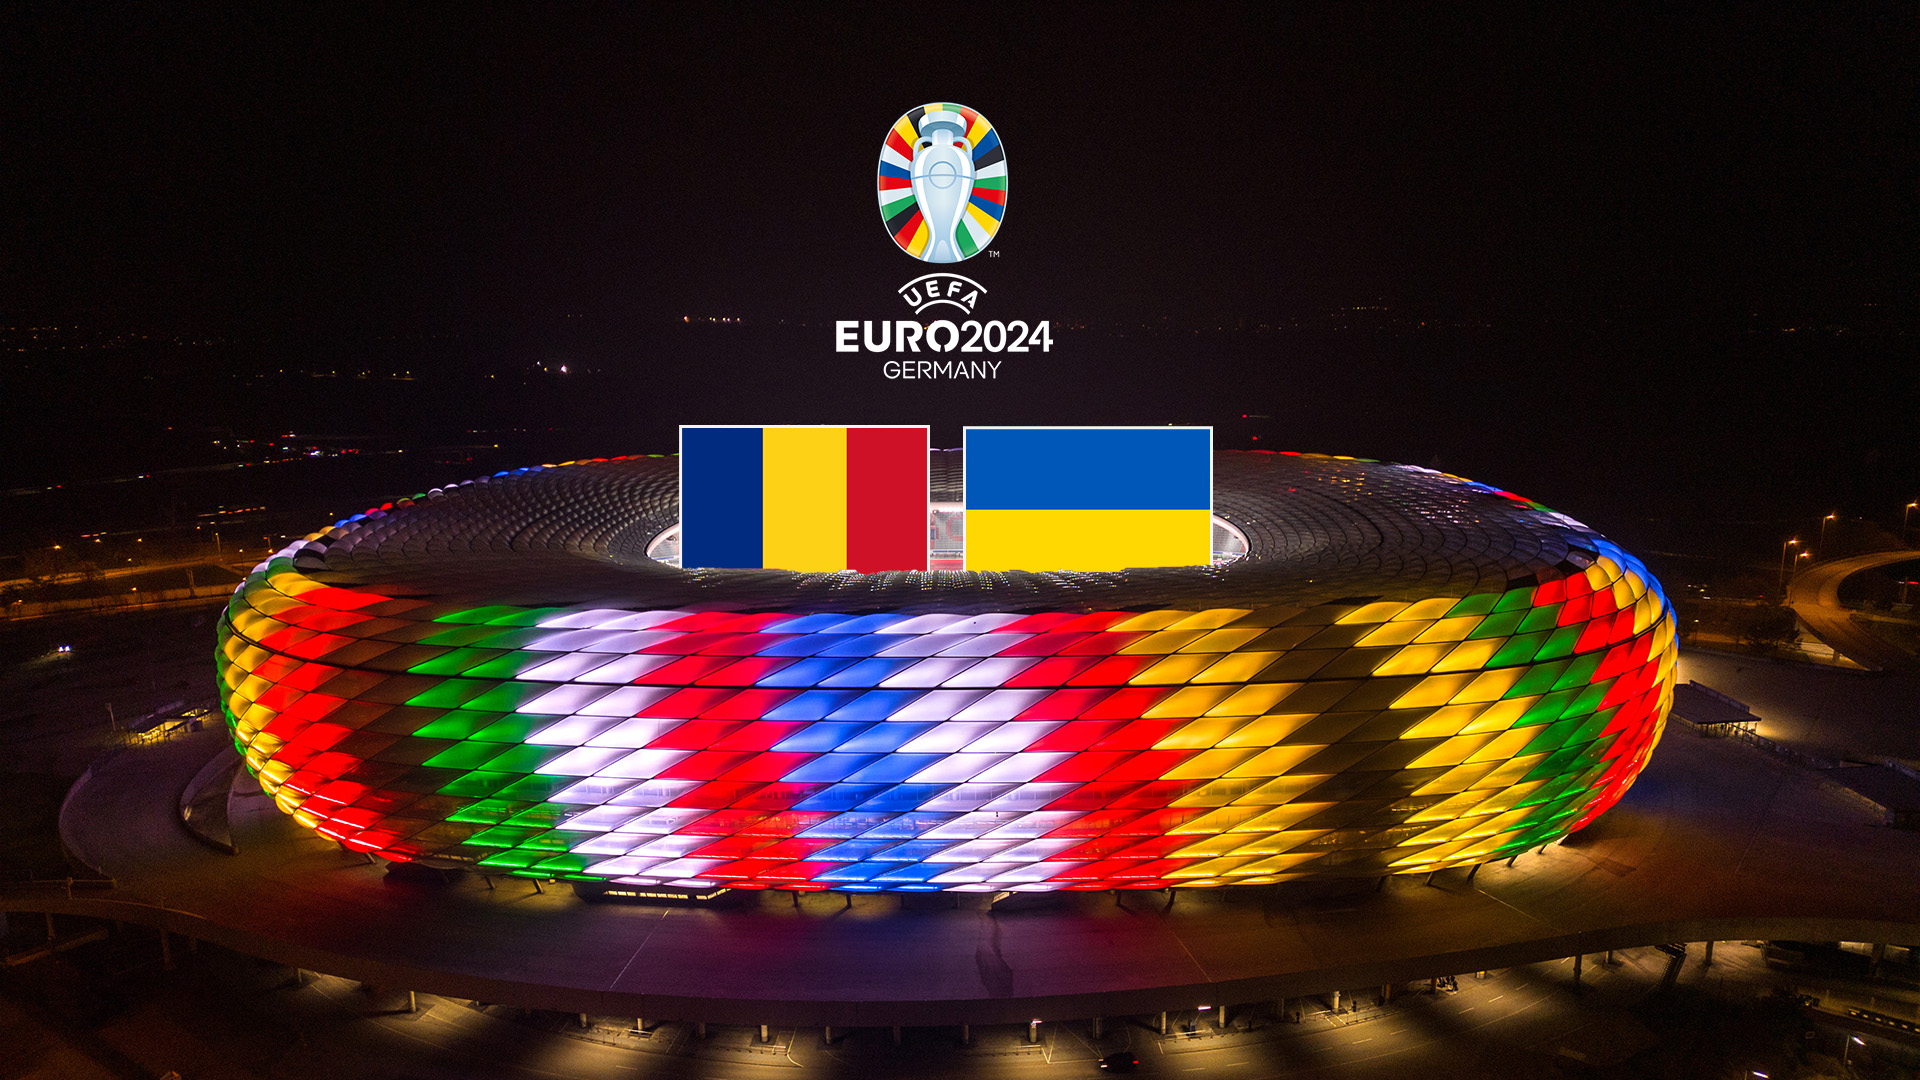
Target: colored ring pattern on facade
(967, 750)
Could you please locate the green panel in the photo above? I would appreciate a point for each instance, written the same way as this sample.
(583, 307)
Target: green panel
(1520, 650)
(511, 664)
(1541, 618)
(511, 860)
(1561, 642)
(1580, 672)
(479, 614)
(1548, 709)
(523, 758)
(465, 755)
(1551, 739)
(1538, 680)
(1515, 600)
(510, 695)
(550, 841)
(457, 724)
(1499, 624)
(1477, 604)
(501, 836)
(566, 864)
(450, 694)
(514, 727)
(887, 210)
(544, 815)
(1589, 699)
(538, 788)
(453, 662)
(476, 785)
(964, 239)
(998, 183)
(485, 812)
(458, 635)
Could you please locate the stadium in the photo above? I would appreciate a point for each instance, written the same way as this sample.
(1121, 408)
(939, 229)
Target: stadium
(1387, 669)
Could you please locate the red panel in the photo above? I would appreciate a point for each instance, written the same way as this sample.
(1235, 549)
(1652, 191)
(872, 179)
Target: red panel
(1096, 621)
(1094, 796)
(1158, 793)
(695, 735)
(768, 767)
(705, 765)
(1037, 623)
(742, 672)
(886, 499)
(1104, 644)
(759, 735)
(1150, 765)
(1115, 671)
(306, 676)
(1075, 736)
(781, 796)
(750, 705)
(689, 643)
(1550, 592)
(684, 671)
(1081, 768)
(745, 644)
(790, 823)
(1063, 705)
(701, 620)
(1128, 704)
(1039, 644)
(1054, 671)
(724, 823)
(1141, 735)
(686, 704)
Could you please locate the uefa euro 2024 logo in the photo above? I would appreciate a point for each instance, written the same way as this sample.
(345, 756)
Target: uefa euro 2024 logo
(943, 182)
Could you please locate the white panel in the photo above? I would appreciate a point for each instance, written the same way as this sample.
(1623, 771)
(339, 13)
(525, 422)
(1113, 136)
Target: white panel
(935, 706)
(1022, 767)
(928, 673)
(1013, 736)
(993, 672)
(1001, 704)
(626, 701)
(954, 769)
(947, 738)
(986, 644)
(645, 764)
(634, 734)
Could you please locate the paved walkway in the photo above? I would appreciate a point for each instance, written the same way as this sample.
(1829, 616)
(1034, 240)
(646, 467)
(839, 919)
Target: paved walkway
(1715, 842)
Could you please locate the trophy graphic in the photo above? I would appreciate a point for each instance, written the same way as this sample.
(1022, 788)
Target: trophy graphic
(942, 180)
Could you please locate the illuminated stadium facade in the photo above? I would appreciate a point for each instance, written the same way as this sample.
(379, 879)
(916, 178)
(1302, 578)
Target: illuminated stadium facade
(1404, 671)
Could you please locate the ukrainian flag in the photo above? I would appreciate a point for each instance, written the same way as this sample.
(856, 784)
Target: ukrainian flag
(1088, 498)
(810, 499)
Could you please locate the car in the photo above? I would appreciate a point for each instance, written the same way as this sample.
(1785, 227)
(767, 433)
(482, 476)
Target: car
(1123, 1061)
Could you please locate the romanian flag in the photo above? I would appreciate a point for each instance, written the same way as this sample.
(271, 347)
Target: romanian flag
(812, 499)
(1088, 498)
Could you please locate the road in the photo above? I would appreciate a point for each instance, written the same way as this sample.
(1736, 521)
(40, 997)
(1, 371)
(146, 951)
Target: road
(1815, 599)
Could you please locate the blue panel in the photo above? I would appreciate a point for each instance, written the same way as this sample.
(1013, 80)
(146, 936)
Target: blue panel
(907, 797)
(851, 851)
(848, 824)
(812, 705)
(870, 673)
(860, 644)
(809, 645)
(804, 673)
(1089, 468)
(822, 737)
(840, 797)
(915, 850)
(872, 705)
(855, 872)
(890, 769)
(721, 475)
(912, 872)
(830, 768)
(804, 624)
(886, 738)
(868, 624)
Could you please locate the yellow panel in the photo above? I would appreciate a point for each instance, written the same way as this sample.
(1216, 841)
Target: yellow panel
(1201, 734)
(1214, 618)
(1373, 613)
(1208, 764)
(1448, 720)
(1274, 761)
(804, 499)
(1188, 701)
(1452, 808)
(1622, 594)
(1454, 629)
(918, 245)
(1470, 655)
(1280, 862)
(904, 129)
(1510, 772)
(1433, 690)
(1211, 868)
(1392, 633)
(1460, 779)
(1223, 641)
(1209, 847)
(1427, 610)
(1452, 752)
(1150, 620)
(1506, 744)
(1217, 821)
(1502, 801)
(1500, 715)
(1174, 670)
(1237, 667)
(1413, 660)
(1163, 643)
(1255, 699)
(1281, 791)
(1488, 686)
(1267, 730)
(1218, 793)
(1087, 540)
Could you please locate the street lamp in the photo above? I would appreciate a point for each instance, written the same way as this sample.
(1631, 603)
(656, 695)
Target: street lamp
(1846, 1056)
(1823, 528)
(1904, 516)
(1783, 566)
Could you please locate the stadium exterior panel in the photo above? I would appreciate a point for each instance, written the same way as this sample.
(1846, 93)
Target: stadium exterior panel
(1405, 671)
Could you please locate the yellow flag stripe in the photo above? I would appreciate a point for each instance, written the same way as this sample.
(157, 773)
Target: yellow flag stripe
(804, 499)
(1087, 539)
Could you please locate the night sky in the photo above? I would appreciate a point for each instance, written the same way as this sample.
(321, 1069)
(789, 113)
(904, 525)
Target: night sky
(1631, 200)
